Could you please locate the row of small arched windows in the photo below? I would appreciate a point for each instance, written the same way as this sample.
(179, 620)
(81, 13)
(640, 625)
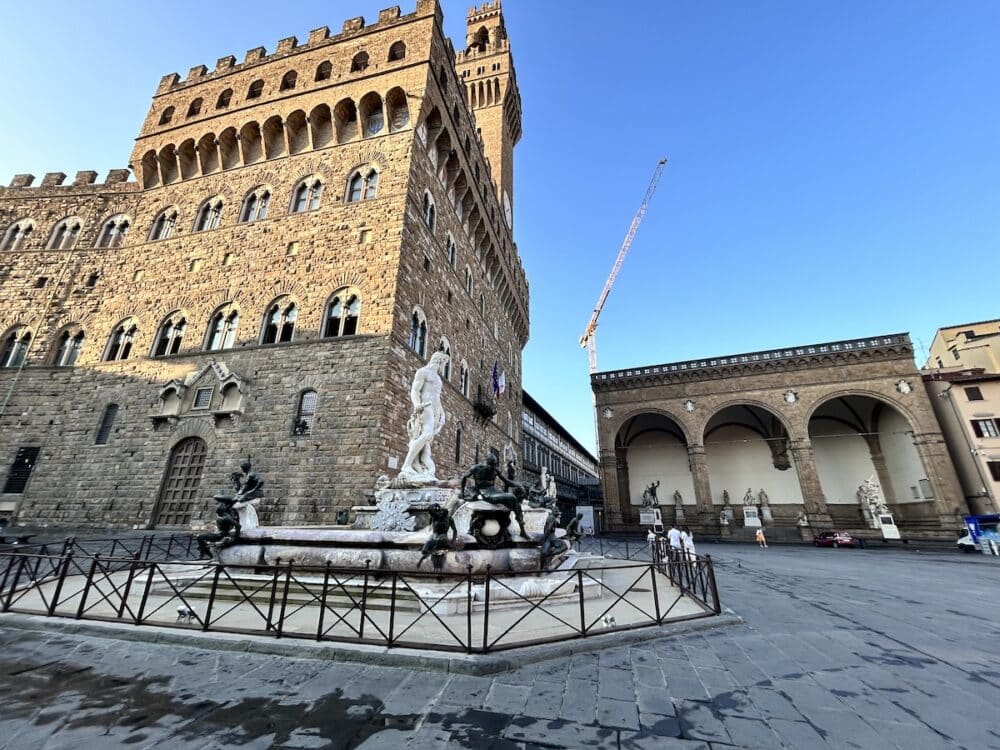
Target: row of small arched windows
(361, 185)
(324, 72)
(418, 343)
(343, 313)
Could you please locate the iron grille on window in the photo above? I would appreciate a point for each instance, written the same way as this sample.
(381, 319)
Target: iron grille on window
(202, 398)
(20, 470)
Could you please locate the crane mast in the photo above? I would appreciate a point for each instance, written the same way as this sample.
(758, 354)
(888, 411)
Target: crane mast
(589, 338)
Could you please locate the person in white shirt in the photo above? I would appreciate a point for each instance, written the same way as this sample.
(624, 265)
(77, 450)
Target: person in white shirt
(674, 538)
(687, 541)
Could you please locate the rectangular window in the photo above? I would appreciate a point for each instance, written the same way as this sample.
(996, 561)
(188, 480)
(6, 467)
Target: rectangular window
(985, 428)
(925, 489)
(20, 470)
(973, 393)
(202, 398)
(107, 422)
(994, 467)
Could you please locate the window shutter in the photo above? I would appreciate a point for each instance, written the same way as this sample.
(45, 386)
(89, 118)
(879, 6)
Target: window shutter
(977, 429)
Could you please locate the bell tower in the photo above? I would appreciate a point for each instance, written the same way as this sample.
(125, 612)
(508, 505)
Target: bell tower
(486, 68)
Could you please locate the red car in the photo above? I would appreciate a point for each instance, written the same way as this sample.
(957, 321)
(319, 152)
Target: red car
(834, 539)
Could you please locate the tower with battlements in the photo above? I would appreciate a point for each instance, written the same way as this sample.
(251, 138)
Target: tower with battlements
(298, 231)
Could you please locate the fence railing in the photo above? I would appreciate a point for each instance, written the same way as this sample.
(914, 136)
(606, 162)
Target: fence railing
(450, 612)
(620, 549)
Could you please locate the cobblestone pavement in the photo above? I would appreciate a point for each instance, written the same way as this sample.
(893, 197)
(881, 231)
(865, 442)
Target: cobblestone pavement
(841, 649)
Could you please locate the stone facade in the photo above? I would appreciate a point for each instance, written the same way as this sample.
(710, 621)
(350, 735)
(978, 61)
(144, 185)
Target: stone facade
(862, 400)
(378, 116)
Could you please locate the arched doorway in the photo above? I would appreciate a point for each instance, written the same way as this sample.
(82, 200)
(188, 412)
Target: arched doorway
(855, 438)
(748, 447)
(652, 449)
(180, 490)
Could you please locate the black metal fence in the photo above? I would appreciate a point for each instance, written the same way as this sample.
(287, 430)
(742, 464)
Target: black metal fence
(451, 612)
(618, 548)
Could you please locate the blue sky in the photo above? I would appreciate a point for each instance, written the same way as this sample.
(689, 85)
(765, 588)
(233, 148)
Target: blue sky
(833, 164)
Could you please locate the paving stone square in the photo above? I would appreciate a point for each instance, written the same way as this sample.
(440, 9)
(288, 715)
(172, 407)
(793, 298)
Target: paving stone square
(853, 649)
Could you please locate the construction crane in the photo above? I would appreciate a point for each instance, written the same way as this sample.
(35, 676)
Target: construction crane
(588, 340)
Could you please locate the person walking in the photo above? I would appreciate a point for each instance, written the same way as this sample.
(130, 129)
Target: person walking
(674, 538)
(687, 542)
(761, 539)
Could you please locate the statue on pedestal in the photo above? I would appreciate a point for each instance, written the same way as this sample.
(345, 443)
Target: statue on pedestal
(762, 498)
(235, 512)
(573, 530)
(426, 420)
(484, 478)
(802, 520)
(748, 498)
(870, 496)
(550, 545)
(649, 498)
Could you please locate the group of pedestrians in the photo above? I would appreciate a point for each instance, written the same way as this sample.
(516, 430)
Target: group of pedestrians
(680, 540)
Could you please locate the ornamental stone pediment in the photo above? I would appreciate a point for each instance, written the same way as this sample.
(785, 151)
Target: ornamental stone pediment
(213, 391)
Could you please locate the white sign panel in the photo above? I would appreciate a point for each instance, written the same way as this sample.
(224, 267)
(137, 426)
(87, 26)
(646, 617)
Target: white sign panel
(650, 517)
(751, 519)
(587, 523)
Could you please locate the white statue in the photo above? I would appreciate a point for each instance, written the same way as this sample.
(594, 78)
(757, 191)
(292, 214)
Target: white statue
(550, 489)
(426, 420)
(802, 520)
(763, 498)
(247, 514)
(870, 496)
(748, 498)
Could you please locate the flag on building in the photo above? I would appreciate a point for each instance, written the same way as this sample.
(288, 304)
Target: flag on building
(502, 382)
(496, 380)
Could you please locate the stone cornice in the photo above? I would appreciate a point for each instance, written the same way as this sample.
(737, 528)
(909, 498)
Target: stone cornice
(834, 353)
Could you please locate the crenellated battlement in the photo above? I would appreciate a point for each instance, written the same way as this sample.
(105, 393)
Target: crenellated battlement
(83, 178)
(351, 29)
(486, 10)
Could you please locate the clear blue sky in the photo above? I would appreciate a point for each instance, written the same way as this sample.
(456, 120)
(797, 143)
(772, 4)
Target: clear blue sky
(833, 172)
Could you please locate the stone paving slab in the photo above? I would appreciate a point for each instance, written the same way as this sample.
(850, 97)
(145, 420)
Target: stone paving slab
(838, 649)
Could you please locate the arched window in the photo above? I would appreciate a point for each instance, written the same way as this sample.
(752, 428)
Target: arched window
(397, 51)
(306, 195)
(209, 215)
(68, 349)
(468, 281)
(463, 379)
(224, 98)
(65, 234)
(452, 250)
(120, 343)
(305, 415)
(163, 225)
(363, 185)
(288, 81)
(15, 347)
(195, 107)
(397, 109)
(17, 234)
(360, 62)
(279, 325)
(418, 332)
(430, 212)
(323, 71)
(256, 89)
(113, 231)
(255, 204)
(107, 422)
(167, 115)
(372, 114)
(170, 335)
(342, 314)
(445, 346)
(222, 328)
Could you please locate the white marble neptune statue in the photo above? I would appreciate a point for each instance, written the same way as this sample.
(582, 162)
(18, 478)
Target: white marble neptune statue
(426, 420)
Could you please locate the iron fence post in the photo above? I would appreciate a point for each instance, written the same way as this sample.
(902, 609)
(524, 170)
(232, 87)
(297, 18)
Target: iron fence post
(284, 599)
(128, 585)
(486, 609)
(145, 593)
(392, 608)
(86, 586)
(583, 614)
(211, 596)
(364, 601)
(322, 601)
(717, 605)
(274, 593)
(170, 544)
(63, 569)
(626, 549)
(468, 610)
(656, 594)
(187, 552)
(13, 587)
